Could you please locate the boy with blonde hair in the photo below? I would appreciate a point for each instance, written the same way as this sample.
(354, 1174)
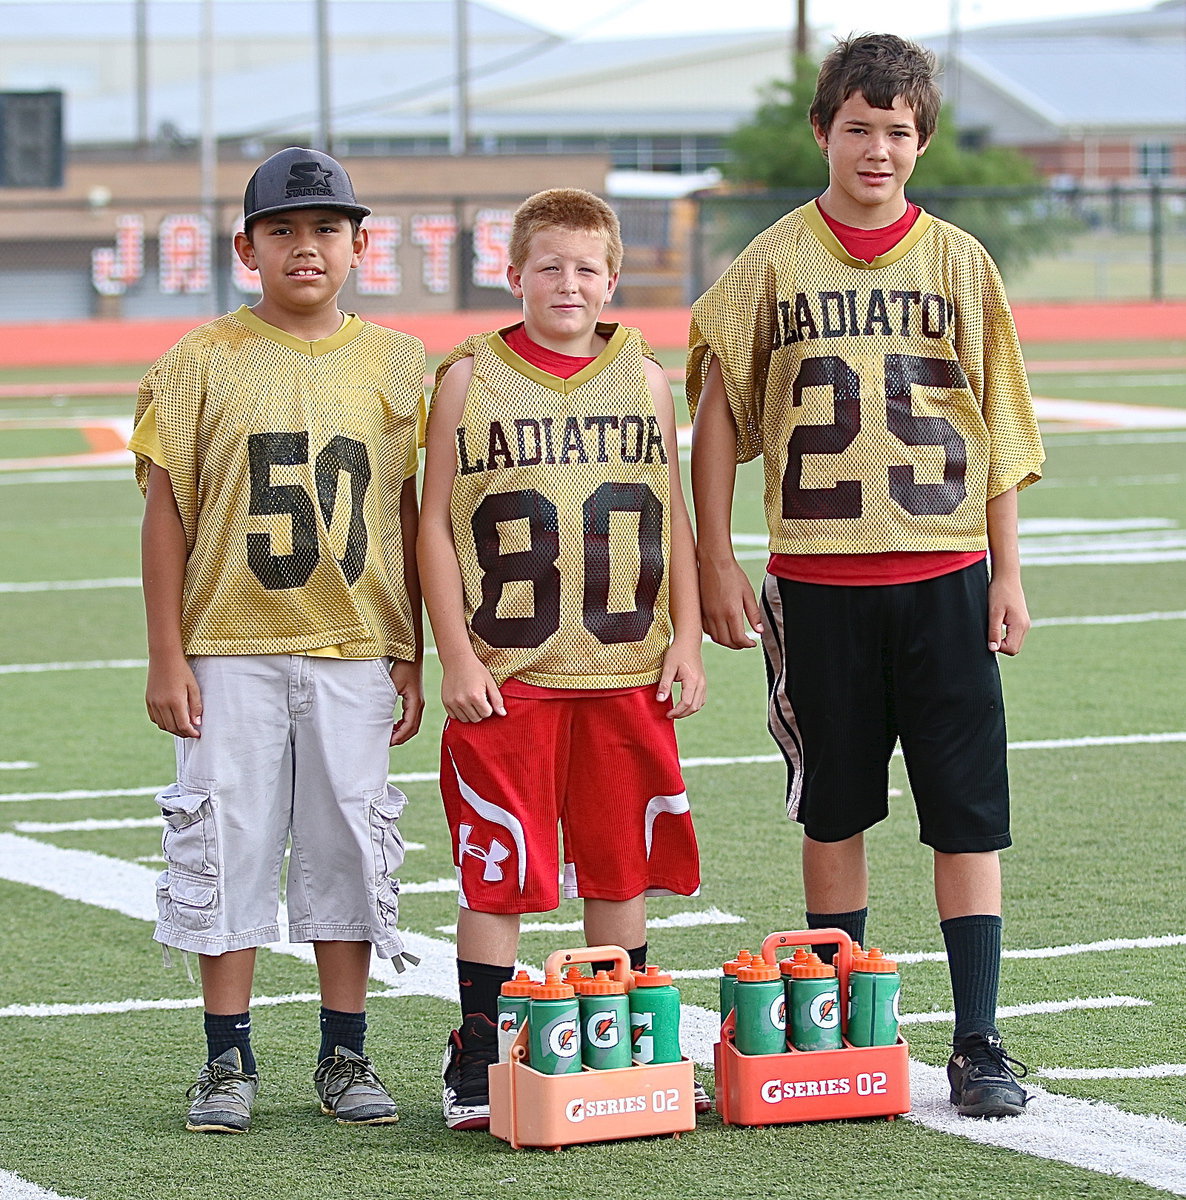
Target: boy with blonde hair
(867, 352)
(559, 576)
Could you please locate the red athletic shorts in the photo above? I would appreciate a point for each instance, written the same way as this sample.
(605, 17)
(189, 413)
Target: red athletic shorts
(605, 767)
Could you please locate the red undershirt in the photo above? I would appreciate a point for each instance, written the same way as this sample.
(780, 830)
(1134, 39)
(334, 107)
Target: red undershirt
(563, 366)
(895, 566)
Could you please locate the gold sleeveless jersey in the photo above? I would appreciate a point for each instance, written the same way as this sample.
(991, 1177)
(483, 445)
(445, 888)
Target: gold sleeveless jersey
(287, 460)
(889, 399)
(561, 517)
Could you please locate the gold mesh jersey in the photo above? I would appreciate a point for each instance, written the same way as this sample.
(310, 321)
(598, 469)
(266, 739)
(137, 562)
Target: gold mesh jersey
(561, 516)
(889, 399)
(287, 460)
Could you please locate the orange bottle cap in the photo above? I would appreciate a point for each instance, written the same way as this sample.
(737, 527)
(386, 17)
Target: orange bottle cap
(757, 972)
(743, 957)
(812, 967)
(575, 976)
(552, 988)
(652, 977)
(873, 960)
(800, 956)
(601, 985)
(521, 985)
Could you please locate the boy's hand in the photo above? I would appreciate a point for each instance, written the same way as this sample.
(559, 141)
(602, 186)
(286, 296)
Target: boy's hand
(727, 603)
(682, 665)
(470, 694)
(1008, 617)
(173, 698)
(407, 679)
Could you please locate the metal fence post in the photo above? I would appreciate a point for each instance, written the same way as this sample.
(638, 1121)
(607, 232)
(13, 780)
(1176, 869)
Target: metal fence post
(1156, 241)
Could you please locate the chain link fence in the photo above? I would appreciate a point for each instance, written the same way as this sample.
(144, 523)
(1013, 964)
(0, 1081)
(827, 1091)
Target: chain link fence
(1052, 244)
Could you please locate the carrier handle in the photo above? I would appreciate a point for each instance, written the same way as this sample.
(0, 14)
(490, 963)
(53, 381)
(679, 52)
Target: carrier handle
(559, 959)
(816, 937)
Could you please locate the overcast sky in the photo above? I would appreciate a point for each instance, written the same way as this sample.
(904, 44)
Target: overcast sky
(621, 18)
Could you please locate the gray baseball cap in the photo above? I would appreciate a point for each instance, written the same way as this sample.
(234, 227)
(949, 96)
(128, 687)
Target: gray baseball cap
(299, 178)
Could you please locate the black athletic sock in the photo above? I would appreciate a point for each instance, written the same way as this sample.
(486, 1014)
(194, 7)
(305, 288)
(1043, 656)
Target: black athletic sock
(345, 1029)
(974, 960)
(638, 960)
(853, 923)
(227, 1031)
(478, 986)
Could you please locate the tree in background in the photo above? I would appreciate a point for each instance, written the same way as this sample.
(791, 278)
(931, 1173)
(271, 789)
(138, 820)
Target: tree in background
(993, 192)
(776, 147)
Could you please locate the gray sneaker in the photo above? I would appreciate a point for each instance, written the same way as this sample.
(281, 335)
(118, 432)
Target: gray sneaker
(350, 1090)
(222, 1097)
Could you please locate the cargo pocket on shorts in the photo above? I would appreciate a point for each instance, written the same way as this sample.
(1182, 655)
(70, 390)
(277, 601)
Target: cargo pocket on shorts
(190, 840)
(185, 902)
(388, 845)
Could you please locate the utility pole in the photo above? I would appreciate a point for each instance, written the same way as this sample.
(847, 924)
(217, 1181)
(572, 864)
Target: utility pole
(801, 29)
(141, 38)
(459, 138)
(208, 143)
(325, 135)
(952, 98)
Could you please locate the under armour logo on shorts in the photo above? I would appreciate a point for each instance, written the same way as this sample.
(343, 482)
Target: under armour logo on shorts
(491, 856)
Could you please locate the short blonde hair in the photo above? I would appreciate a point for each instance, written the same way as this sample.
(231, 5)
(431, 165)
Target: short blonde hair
(566, 208)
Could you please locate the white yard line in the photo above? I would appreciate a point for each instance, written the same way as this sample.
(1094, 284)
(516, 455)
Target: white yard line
(681, 920)
(1076, 743)
(72, 585)
(140, 664)
(13, 1187)
(1098, 1137)
(97, 664)
(1153, 1071)
(909, 957)
(1039, 1008)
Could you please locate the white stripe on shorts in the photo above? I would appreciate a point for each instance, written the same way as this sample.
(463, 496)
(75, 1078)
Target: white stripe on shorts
(781, 719)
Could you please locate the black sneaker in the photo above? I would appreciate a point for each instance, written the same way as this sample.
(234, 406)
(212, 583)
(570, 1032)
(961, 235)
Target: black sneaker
(465, 1097)
(982, 1084)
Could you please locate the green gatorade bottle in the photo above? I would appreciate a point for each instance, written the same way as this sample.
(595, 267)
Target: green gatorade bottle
(654, 1018)
(512, 1011)
(760, 1005)
(874, 988)
(553, 1017)
(605, 1022)
(813, 999)
(729, 978)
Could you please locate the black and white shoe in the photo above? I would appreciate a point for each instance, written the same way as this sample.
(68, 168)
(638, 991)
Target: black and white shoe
(982, 1083)
(469, 1053)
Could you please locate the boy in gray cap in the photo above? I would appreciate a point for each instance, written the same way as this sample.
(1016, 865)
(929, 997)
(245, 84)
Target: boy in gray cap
(277, 450)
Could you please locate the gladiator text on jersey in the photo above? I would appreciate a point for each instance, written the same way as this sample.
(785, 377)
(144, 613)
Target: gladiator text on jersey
(850, 313)
(531, 442)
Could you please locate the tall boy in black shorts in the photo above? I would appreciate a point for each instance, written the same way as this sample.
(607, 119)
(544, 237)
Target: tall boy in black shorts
(867, 352)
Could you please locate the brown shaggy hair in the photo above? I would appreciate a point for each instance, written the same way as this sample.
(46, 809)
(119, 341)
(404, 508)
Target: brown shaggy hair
(881, 66)
(565, 208)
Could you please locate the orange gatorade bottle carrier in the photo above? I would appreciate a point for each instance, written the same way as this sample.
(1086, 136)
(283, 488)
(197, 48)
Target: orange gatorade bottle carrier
(530, 1108)
(818, 1084)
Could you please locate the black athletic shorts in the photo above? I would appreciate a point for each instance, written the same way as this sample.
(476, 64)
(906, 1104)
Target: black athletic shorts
(854, 670)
